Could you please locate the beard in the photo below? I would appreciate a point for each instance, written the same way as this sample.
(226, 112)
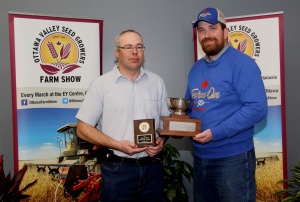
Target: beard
(212, 49)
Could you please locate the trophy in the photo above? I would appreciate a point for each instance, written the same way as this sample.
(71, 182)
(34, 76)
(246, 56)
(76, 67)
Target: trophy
(179, 123)
(144, 132)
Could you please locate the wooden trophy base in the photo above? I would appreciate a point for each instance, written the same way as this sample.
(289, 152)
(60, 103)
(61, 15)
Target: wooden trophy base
(179, 125)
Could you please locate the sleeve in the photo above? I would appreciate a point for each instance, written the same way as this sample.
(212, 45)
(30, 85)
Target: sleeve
(164, 106)
(90, 111)
(250, 89)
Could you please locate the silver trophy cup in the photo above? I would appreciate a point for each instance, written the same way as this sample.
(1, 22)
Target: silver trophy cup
(179, 106)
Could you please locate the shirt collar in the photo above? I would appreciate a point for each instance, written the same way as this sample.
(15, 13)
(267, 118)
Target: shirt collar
(117, 74)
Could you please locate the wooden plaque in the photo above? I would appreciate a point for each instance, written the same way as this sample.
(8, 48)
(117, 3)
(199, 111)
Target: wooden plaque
(144, 132)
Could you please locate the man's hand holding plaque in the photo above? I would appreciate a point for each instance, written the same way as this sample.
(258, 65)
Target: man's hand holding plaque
(179, 123)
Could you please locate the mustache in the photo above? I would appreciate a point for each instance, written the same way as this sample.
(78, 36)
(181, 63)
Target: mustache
(209, 39)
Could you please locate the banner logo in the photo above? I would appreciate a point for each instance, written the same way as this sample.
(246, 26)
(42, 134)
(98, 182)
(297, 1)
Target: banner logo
(245, 40)
(58, 50)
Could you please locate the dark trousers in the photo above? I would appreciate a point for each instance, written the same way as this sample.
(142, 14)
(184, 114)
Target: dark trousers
(226, 179)
(132, 181)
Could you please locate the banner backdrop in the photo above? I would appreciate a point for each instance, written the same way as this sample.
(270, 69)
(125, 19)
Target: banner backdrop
(53, 61)
(261, 37)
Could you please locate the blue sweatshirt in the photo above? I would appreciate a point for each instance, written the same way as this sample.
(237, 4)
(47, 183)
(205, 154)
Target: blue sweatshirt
(229, 98)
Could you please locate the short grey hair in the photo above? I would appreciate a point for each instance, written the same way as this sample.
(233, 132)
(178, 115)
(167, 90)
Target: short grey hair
(123, 32)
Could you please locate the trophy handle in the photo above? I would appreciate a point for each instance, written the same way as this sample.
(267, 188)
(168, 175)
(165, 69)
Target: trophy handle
(168, 101)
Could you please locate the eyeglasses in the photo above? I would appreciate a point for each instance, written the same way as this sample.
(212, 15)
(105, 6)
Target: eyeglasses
(129, 48)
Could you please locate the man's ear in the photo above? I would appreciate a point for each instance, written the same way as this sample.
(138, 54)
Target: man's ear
(226, 33)
(117, 53)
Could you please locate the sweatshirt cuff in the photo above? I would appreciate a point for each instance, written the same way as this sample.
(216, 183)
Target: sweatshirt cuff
(217, 133)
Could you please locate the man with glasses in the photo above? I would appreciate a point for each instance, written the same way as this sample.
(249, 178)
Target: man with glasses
(113, 101)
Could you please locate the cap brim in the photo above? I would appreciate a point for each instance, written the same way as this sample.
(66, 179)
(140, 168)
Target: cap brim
(209, 20)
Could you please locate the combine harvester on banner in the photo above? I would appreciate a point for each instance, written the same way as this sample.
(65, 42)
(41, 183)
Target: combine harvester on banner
(78, 168)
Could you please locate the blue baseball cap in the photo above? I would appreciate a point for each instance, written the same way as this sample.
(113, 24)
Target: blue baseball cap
(210, 15)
